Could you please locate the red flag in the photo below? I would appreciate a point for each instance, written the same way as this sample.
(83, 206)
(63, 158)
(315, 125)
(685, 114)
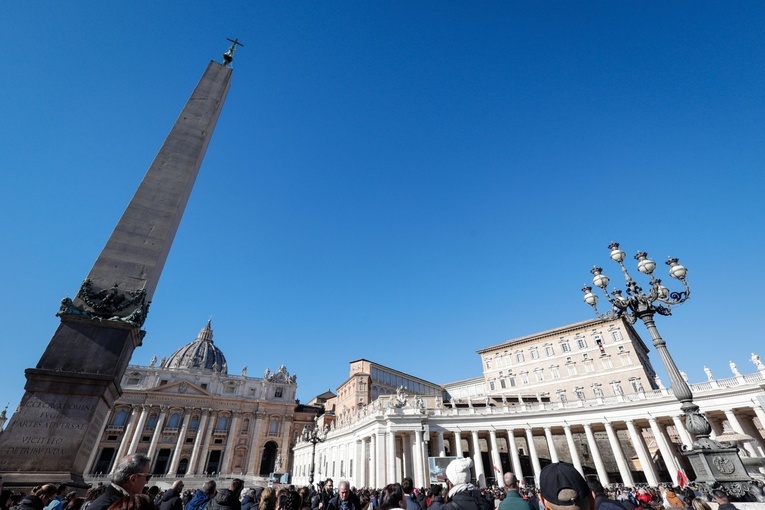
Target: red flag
(682, 480)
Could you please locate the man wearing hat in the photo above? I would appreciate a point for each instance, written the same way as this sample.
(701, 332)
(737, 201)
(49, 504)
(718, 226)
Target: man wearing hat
(561, 487)
(462, 494)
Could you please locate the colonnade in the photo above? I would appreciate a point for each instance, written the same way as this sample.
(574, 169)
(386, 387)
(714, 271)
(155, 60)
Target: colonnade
(616, 447)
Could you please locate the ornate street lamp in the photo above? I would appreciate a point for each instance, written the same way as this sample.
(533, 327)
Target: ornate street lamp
(314, 436)
(714, 464)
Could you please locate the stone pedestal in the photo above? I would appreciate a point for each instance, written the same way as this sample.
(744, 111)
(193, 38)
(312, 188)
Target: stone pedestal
(68, 396)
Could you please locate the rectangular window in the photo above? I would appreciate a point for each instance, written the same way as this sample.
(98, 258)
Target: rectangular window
(565, 347)
(607, 363)
(540, 375)
(512, 381)
(525, 378)
(549, 350)
(616, 335)
(588, 367)
(571, 369)
(519, 357)
(134, 381)
(626, 360)
(278, 392)
(555, 372)
(581, 343)
(491, 385)
(502, 383)
(534, 354)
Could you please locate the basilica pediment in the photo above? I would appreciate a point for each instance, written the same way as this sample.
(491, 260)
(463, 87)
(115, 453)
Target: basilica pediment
(182, 387)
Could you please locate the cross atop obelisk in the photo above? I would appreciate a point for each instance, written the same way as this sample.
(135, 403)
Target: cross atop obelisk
(77, 379)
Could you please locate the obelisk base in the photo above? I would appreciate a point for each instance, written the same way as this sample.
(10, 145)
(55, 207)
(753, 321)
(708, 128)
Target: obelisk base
(68, 396)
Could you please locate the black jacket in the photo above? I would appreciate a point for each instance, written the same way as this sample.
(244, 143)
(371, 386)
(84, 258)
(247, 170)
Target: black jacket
(225, 500)
(468, 500)
(105, 500)
(31, 502)
(170, 500)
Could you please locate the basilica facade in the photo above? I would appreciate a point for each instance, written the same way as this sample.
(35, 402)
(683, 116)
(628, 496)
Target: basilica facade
(584, 393)
(195, 419)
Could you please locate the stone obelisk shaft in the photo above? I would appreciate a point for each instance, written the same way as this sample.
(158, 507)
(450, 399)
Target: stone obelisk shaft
(69, 393)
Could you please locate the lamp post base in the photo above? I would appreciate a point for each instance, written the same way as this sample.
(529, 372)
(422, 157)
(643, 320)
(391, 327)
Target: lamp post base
(720, 468)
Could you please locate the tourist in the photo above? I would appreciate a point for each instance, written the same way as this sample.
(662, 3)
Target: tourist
(228, 499)
(392, 497)
(171, 499)
(407, 485)
(248, 501)
(561, 487)
(202, 496)
(129, 478)
(513, 499)
(722, 499)
(39, 498)
(345, 499)
(437, 501)
(133, 502)
(462, 494)
(267, 499)
(602, 501)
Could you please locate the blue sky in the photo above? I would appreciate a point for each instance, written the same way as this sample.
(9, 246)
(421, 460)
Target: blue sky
(406, 182)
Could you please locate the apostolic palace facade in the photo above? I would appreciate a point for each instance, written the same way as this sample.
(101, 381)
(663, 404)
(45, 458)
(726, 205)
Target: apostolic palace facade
(585, 394)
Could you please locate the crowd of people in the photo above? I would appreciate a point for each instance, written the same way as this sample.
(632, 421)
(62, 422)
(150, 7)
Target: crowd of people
(561, 487)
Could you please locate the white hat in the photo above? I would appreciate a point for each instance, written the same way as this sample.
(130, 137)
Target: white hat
(458, 470)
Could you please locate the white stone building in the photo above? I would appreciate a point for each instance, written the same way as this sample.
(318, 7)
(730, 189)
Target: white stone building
(584, 394)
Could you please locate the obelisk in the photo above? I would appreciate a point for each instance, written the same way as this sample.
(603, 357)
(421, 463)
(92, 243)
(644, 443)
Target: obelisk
(69, 394)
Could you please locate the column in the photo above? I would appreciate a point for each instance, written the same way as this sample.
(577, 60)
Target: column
(96, 449)
(139, 429)
(176, 459)
(685, 437)
(419, 469)
(390, 437)
(458, 445)
(478, 460)
(252, 460)
(380, 469)
(441, 450)
(129, 428)
(206, 443)
(572, 449)
(496, 461)
(666, 453)
(736, 425)
(359, 460)
(595, 452)
(406, 456)
(227, 462)
(551, 445)
(642, 452)
(157, 432)
(533, 454)
(517, 469)
(373, 481)
(198, 442)
(621, 460)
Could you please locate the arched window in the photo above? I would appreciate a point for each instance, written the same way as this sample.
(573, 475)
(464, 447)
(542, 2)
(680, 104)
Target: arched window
(152, 421)
(194, 425)
(120, 418)
(222, 423)
(174, 420)
(273, 427)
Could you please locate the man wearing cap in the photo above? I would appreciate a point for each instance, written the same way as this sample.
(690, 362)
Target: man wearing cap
(561, 487)
(513, 499)
(462, 494)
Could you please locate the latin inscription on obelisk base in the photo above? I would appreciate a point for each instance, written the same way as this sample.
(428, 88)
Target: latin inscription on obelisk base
(68, 395)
